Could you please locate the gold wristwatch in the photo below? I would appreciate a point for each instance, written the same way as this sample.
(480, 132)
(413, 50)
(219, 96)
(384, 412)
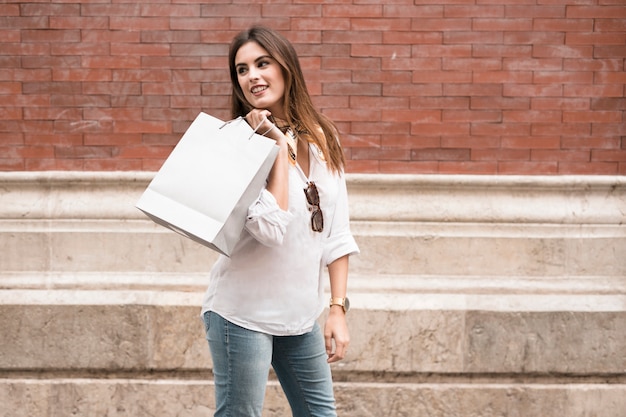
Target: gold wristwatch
(343, 302)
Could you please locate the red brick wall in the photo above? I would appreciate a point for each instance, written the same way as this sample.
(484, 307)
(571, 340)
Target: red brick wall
(439, 86)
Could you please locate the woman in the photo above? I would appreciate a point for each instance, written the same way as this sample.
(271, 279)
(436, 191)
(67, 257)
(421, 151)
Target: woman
(262, 303)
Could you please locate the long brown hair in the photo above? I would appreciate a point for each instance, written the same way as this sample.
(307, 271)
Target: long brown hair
(299, 109)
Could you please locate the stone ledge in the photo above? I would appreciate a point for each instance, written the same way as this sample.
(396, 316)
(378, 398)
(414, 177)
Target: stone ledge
(194, 398)
(105, 331)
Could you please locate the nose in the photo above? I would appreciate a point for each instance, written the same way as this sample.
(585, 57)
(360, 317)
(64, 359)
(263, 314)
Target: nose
(253, 73)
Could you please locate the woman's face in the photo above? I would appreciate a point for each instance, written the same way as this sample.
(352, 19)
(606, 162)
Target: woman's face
(260, 78)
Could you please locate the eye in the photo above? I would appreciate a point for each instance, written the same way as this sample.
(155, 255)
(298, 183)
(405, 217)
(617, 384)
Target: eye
(241, 70)
(263, 63)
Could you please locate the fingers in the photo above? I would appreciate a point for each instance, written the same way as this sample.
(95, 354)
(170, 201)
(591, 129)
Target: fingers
(340, 348)
(258, 119)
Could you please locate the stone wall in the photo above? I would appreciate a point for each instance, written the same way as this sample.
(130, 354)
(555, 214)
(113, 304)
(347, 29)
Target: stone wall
(473, 296)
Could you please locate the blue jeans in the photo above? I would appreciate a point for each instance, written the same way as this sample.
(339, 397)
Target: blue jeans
(242, 360)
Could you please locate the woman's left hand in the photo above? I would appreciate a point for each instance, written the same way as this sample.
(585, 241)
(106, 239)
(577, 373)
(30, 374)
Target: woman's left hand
(336, 329)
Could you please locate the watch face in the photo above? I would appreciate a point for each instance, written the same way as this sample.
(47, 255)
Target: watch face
(346, 305)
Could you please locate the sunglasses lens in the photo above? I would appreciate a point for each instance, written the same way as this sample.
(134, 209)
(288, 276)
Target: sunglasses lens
(312, 195)
(317, 221)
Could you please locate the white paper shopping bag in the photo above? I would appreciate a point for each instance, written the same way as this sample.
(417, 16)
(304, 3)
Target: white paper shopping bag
(204, 188)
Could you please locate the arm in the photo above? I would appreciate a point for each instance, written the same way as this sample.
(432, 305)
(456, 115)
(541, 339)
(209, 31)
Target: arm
(336, 328)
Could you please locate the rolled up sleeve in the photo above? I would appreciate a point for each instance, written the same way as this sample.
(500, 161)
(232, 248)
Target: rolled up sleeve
(340, 241)
(266, 221)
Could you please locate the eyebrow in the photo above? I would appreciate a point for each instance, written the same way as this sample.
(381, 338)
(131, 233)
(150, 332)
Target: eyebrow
(262, 57)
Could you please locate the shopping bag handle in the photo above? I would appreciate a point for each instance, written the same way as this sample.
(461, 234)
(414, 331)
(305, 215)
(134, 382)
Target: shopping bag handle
(240, 118)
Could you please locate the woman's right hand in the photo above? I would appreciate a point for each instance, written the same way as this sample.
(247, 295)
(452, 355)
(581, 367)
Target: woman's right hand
(278, 179)
(259, 119)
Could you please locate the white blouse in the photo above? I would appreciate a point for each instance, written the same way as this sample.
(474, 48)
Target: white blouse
(273, 281)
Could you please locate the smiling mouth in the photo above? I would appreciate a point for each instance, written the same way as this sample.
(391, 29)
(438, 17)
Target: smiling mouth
(258, 89)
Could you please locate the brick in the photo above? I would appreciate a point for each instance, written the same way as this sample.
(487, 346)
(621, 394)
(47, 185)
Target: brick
(370, 77)
(561, 103)
(563, 25)
(606, 90)
(471, 11)
(384, 24)
(78, 22)
(578, 12)
(414, 115)
(380, 154)
(142, 49)
(389, 128)
(610, 78)
(501, 51)
(531, 142)
(440, 154)
(471, 64)
(500, 129)
(142, 75)
(473, 90)
(291, 10)
(475, 116)
(111, 62)
(472, 142)
(54, 139)
(610, 25)
(588, 142)
(588, 168)
(560, 155)
(433, 24)
(411, 64)
(440, 129)
(535, 12)
(105, 35)
(498, 102)
(515, 77)
(613, 64)
(553, 77)
(592, 116)
(534, 116)
(533, 64)
(393, 90)
(463, 37)
(353, 37)
(507, 24)
(470, 167)
(562, 51)
(528, 168)
(361, 10)
(26, 48)
(500, 155)
(52, 113)
(437, 103)
(532, 90)
(613, 51)
(447, 77)
(186, 10)
(379, 102)
(608, 104)
(10, 88)
(18, 22)
(412, 37)
(577, 38)
(147, 23)
(170, 36)
(441, 50)
(553, 129)
(51, 35)
(534, 37)
(392, 51)
(138, 126)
